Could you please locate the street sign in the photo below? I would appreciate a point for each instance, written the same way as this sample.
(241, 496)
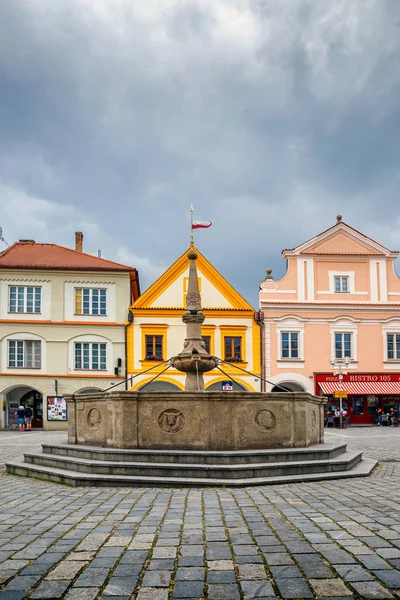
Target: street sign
(227, 386)
(340, 394)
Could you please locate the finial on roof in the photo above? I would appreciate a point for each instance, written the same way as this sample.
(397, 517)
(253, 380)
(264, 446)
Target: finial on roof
(269, 274)
(338, 218)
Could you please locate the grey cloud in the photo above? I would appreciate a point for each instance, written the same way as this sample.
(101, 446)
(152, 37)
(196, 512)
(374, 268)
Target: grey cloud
(270, 116)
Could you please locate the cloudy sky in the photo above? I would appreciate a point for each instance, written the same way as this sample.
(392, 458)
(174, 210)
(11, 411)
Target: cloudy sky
(270, 116)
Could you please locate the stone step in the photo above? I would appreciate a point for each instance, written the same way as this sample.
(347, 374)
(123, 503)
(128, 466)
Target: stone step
(18, 467)
(343, 462)
(318, 452)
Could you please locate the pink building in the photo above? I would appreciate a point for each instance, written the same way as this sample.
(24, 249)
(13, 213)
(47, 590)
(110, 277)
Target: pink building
(339, 302)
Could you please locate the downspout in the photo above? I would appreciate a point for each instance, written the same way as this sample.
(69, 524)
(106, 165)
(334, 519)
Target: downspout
(259, 321)
(130, 321)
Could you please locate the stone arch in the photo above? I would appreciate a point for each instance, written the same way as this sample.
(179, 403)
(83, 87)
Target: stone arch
(159, 385)
(292, 381)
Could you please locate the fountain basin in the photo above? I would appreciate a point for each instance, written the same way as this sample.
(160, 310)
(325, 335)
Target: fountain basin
(196, 420)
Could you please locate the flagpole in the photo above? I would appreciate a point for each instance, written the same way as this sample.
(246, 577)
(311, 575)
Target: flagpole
(191, 225)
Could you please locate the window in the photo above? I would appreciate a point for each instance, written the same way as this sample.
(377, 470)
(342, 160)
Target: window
(90, 356)
(342, 345)
(154, 347)
(341, 284)
(207, 343)
(90, 301)
(393, 346)
(289, 344)
(233, 349)
(24, 354)
(24, 299)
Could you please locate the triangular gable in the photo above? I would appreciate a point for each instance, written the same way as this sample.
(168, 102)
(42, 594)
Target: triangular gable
(341, 243)
(168, 290)
(357, 242)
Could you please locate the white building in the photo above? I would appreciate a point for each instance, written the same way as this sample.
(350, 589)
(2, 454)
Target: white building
(62, 327)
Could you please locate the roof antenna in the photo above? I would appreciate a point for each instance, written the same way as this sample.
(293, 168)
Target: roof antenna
(99, 252)
(1, 237)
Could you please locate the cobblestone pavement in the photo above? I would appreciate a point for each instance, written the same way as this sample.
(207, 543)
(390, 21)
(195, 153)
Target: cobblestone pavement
(314, 540)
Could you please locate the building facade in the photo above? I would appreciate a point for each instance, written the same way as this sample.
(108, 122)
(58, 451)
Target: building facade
(156, 333)
(336, 308)
(62, 327)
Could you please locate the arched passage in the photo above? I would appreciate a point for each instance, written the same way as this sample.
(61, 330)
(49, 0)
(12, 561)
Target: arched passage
(288, 385)
(22, 395)
(87, 391)
(159, 386)
(217, 386)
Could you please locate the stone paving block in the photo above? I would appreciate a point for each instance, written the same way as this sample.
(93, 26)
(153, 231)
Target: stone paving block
(191, 561)
(257, 589)
(279, 558)
(285, 572)
(156, 579)
(221, 577)
(92, 577)
(371, 589)
(164, 552)
(294, 588)
(391, 578)
(223, 591)
(23, 582)
(120, 586)
(353, 573)
(329, 587)
(218, 553)
(388, 552)
(375, 562)
(161, 564)
(190, 574)
(68, 569)
(192, 550)
(188, 589)
(152, 594)
(134, 556)
(76, 593)
(85, 556)
(220, 565)
(12, 595)
(50, 589)
(252, 571)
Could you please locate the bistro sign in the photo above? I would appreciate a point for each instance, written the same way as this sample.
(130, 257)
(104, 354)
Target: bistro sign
(359, 377)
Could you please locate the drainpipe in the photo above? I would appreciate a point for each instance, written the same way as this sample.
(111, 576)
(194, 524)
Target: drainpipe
(130, 321)
(259, 321)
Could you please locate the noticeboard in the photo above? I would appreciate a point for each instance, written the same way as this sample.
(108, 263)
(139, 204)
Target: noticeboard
(340, 394)
(56, 408)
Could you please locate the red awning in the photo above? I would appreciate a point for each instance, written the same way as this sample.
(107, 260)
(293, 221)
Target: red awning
(378, 388)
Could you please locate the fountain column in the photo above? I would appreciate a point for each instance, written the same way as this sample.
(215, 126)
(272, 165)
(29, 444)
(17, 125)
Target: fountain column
(194, 360)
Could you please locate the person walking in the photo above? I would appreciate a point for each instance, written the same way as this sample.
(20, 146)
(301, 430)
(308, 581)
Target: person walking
(28, 417)
(21, 418)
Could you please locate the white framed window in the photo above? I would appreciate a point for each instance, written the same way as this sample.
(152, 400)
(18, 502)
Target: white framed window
(90, 301)
(341, 283)
(24, 299)
(289, 344)
(343, 345)
(393, 346)
(24, 354)
(90, 356)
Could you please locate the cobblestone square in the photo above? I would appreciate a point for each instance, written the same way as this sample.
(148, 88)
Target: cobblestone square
(337, 539)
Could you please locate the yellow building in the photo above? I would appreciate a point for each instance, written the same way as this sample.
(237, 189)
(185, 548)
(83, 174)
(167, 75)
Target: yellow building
(157, 332)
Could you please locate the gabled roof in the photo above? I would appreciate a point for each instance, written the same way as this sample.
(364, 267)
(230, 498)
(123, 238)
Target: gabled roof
(27, 254)
(319, 244)
(177, 269)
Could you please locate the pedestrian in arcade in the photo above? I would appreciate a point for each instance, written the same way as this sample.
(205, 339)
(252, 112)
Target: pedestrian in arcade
(21, 418)
(28, 414)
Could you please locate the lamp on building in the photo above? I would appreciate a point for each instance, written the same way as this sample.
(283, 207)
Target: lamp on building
(338, 370)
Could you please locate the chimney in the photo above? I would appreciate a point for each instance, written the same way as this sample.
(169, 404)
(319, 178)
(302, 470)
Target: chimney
(79, 241)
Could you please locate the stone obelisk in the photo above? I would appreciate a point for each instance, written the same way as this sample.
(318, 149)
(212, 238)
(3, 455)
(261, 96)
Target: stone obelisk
(194, 360)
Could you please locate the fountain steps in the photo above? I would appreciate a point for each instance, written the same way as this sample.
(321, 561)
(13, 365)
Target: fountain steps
(85, 466)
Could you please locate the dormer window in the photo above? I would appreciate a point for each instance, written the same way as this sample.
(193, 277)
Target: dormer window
(341, 284)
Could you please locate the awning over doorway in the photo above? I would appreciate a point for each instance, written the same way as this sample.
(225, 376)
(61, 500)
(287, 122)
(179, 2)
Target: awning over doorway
(377, 388)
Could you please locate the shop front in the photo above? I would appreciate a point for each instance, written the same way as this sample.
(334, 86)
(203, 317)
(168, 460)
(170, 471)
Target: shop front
(366, 392)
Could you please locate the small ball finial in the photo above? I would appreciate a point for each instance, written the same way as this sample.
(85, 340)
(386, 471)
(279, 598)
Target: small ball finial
(192, 255)
(269, 274)
(338, 218)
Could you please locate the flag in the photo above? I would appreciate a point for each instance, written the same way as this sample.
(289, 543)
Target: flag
(201, 224)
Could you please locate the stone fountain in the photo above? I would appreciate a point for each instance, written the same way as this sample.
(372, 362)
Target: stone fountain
(193, 437)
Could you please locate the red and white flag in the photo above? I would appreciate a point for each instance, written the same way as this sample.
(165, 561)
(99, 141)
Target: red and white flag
(201, 224)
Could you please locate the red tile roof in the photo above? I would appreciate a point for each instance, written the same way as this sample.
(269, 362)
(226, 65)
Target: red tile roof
(27, 254)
